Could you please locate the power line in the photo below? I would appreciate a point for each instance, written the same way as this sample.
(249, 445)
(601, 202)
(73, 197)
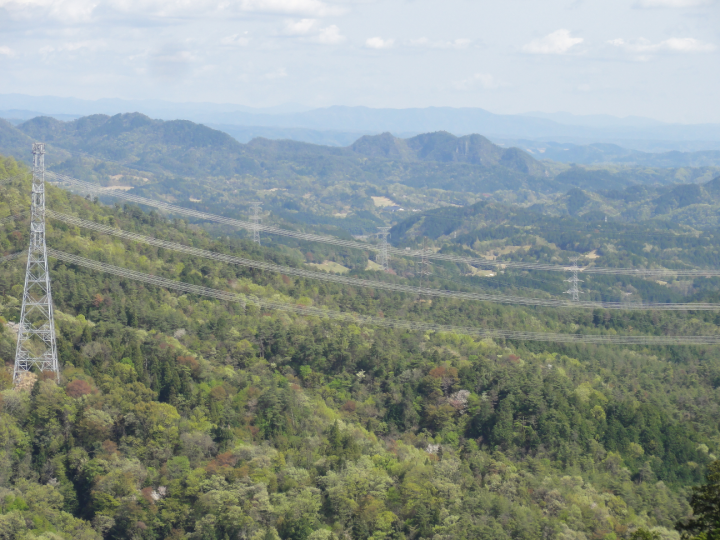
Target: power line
(130, 166)
(574, 290)
(12, 257)
(255, 218)
(424, 270)
(383, 257)
(473, 261)
(8, 180)
(15, 216)
(378, 321)
(526, 228)
(357, 282)
(212, 217)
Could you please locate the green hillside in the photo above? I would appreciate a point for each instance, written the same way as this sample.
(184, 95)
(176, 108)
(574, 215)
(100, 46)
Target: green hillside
(379, 180)
(695, 204)
(180, 416)
(470, 164)
(187, 149)
(446, 148)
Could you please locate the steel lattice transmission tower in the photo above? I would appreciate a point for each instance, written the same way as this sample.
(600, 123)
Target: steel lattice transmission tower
(36, 334)
(255, 218)
(574, 290)
(383, 257)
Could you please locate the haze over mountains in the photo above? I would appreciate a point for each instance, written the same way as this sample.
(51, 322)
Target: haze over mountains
(188, 149)
(341, 125)
(471, 164)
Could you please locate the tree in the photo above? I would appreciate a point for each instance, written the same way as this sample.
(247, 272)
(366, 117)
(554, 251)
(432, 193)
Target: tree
(705, 502)
(645, 534)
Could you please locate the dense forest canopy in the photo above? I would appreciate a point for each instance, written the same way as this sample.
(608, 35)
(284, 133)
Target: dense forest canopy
(180, 416)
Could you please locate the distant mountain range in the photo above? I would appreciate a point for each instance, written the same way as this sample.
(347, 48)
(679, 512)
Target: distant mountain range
(602, 153)
(183, 148)
(180, 148)
(346, 123)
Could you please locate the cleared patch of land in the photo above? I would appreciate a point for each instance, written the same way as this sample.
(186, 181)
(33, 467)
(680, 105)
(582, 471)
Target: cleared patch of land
(120, 176)
(497, 252)
(330, 266)
(481, 272)
(382, 202)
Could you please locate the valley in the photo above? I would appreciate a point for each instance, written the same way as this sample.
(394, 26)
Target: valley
(212, 386)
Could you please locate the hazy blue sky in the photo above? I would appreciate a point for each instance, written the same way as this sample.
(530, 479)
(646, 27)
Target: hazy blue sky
(656, 58)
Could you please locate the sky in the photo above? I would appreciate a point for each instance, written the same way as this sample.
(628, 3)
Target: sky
(652, 58)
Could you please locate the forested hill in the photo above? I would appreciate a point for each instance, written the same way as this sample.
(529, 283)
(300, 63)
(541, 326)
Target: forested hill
(187, 149)
(445, 147)
(186, 417)
(179, 148)
(696, 205)
(487, 226)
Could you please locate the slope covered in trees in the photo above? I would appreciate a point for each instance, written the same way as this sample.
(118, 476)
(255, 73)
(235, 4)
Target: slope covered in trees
(183, 417)
(438, 160)
(184, 148)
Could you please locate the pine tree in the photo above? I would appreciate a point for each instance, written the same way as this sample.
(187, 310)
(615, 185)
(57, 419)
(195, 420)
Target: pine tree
(705, 502)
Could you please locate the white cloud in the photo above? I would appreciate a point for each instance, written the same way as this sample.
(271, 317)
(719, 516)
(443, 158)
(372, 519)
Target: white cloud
(329, 36)
(672, 45)
(73, 46)
(559, 42)
(672, 3)
(479, 80)
(238, 40)
(302, 27)
(62, 10)
(310, 30)
(455, 44)
(310, 7)
(6, 51)
(379, 43)
(79, 11)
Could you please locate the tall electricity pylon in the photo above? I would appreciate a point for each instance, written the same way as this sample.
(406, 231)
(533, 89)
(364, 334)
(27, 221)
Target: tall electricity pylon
(36, 334)
(255, 218)
(574, 290)
(383, 257)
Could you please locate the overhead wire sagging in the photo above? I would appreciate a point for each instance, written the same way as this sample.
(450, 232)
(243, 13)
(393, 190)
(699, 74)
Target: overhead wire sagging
(357, 282)
(12, 257)
(10, 179)
(475, 261)
(13, 217)
(379, 321)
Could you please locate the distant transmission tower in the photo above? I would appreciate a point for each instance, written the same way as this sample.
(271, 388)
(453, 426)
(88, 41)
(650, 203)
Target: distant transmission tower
(574, 290)
(383, 257)
(36, 335)
(255, 218)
